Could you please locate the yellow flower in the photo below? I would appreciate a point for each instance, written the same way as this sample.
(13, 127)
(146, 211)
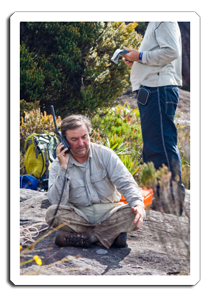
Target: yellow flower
(37, 260)
(21, 247)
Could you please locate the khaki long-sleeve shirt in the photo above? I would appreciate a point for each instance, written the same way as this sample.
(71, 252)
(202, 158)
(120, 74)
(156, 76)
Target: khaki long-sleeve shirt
(102, 180)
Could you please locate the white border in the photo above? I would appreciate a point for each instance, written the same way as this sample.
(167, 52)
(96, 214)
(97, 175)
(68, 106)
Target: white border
(15, 20)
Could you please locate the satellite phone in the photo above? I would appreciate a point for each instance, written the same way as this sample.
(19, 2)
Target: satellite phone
(61, 137)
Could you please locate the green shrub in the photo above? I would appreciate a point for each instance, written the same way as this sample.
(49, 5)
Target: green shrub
(131, 165)
(117, 144)
(121, 121)
(68, 64)
(119, 129)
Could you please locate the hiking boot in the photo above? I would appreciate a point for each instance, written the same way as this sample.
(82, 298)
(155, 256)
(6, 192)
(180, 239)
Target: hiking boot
(120, 241)
(64, 239)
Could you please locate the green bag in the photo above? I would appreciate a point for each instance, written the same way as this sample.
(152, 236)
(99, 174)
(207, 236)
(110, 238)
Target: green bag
(40, 151)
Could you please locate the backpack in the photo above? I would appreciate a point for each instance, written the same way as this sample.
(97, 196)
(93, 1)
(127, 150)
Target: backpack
(40, 152)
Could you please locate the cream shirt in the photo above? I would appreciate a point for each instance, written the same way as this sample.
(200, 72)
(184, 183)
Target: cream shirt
(162, 58)
(102, 180)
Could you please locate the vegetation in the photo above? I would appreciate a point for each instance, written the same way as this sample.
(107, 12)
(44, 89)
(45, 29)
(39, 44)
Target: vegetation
(68, 64)
(141, 28)
(37, 122)
(117, 128)
(120, 130)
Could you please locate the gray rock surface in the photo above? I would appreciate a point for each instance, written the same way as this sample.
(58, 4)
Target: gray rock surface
(159, 247)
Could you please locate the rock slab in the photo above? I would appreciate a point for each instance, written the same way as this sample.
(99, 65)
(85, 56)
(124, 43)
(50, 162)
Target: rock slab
(160, 247)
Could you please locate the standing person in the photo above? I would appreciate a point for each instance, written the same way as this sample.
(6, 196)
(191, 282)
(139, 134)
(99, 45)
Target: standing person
(155, 76)
(94, 178)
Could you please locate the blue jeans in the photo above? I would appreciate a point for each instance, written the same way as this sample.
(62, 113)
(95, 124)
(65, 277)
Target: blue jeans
(159, 131)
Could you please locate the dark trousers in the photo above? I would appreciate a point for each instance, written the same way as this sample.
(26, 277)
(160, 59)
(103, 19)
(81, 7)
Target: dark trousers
(159, 131)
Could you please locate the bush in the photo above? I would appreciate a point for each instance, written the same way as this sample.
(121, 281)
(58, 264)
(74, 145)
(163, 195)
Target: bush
(68, 64)
(123, 122)
(28, 106)
(36, 122)
(118, 128)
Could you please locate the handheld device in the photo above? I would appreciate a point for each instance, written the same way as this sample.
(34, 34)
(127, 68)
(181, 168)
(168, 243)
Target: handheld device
(61, 137)
(124, 51)
(117, 53)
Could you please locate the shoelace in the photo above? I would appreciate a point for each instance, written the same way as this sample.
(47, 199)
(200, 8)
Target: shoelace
(76, 239)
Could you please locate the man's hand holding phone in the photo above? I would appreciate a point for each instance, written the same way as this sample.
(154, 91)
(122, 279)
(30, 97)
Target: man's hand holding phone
(62, 155)
(130, 57)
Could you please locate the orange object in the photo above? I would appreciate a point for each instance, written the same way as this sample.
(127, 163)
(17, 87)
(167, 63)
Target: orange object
(146, 193)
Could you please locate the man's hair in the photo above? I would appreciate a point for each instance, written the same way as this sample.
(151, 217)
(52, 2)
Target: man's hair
(75, 121)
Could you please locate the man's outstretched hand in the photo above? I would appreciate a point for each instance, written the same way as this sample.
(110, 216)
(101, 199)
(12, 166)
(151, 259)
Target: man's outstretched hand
(139, 211)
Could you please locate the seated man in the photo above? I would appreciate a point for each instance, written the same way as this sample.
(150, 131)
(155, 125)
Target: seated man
(94, 178)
